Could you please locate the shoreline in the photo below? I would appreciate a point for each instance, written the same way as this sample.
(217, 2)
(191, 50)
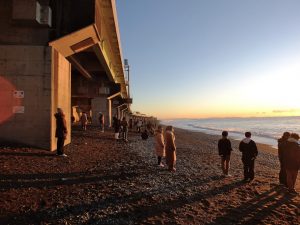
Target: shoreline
(261, 146)
(264, 130)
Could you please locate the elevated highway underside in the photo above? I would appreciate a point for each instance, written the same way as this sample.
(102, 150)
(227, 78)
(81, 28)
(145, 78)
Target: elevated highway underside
(80, 66)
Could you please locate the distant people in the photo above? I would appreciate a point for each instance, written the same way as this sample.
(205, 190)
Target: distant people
(224, 147)
(101, 121)
(249, 153)
(130, 124)
(292, 161)
(83, 120)
(124, 125)
(159, 146)
(61, 131)
(282, 144)
(139, 125)
(145, 134)
(170, 148)
(116, 126)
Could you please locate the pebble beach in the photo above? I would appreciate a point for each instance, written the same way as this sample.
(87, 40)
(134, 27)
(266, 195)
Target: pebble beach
(104, 181)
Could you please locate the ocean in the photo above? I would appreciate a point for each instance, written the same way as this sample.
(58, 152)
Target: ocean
(265, 130)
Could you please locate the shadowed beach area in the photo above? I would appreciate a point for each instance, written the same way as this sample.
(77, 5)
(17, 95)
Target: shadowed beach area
(104, 181)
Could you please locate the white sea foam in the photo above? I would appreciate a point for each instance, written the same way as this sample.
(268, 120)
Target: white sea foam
(265, 130)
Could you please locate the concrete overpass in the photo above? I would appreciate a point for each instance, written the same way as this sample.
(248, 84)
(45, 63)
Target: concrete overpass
(57, 53)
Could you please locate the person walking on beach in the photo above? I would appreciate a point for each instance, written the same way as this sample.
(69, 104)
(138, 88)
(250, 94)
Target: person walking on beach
(83, 120)
(224, 147)
(139, 125)
(282, 143)
(124, 125)
(159, 145)
(249, 153)
(292, 161)
(170, 148)
(61, 131)
(116, 126)
(101, 121)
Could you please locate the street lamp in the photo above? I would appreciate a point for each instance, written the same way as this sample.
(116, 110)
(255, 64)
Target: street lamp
(126, 66)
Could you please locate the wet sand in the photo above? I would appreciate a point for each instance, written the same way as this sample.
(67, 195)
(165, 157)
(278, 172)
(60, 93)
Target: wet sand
(103, 181)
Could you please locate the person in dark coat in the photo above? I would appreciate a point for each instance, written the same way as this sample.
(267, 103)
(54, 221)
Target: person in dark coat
(145, 135)
(292, 161)
(282, 143)
(101, 121)
(249, 153)
(61, 131)
(116, 126)
(224, 147)
(124, 125)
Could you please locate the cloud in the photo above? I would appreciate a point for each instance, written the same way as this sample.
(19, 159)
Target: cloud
(286, 111)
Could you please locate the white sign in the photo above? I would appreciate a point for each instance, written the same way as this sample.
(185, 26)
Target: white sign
(19, 94)
(18, 109)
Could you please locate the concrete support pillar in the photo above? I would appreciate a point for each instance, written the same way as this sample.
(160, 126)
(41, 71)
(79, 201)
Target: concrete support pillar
(109, 113)
(100, 104)
(40, 81)
(61, 93)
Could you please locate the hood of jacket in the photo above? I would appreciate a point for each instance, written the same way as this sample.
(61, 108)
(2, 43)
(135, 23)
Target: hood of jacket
(246, 140)
(293, 140)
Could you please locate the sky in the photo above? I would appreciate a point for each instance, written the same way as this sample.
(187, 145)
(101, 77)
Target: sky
(212, 58)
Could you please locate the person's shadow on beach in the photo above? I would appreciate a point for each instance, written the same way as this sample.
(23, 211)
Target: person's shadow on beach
(257, 209)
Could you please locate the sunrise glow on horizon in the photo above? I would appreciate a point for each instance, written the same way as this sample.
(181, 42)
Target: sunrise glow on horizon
(233, 59)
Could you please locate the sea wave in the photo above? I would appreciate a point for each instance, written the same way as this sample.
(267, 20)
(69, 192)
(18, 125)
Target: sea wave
(266, 130)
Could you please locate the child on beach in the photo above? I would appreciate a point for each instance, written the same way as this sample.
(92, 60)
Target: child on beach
(249, 153)
(159, 145)
(224, 147)
(170, 148)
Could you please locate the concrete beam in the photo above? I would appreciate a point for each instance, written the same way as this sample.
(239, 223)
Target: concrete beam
(79, 67)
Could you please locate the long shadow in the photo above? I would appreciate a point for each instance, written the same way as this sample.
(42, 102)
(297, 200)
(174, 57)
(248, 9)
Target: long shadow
(31, 154)
(53, 214)
(51, 180)
(138, 213)
(104, 137)
(255, 209)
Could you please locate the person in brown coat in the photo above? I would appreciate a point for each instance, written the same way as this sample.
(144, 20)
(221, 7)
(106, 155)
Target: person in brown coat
(282, 142)
(291, 159)
(170, 148)
(159, 145)
(61, 131)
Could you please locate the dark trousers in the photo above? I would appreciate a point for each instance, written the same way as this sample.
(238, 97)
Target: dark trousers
(291, 177)
(60, 145)
(282, 175)
(248, 169)
(158, 160)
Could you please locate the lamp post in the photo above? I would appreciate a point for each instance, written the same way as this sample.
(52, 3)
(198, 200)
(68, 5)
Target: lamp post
(126, 66)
